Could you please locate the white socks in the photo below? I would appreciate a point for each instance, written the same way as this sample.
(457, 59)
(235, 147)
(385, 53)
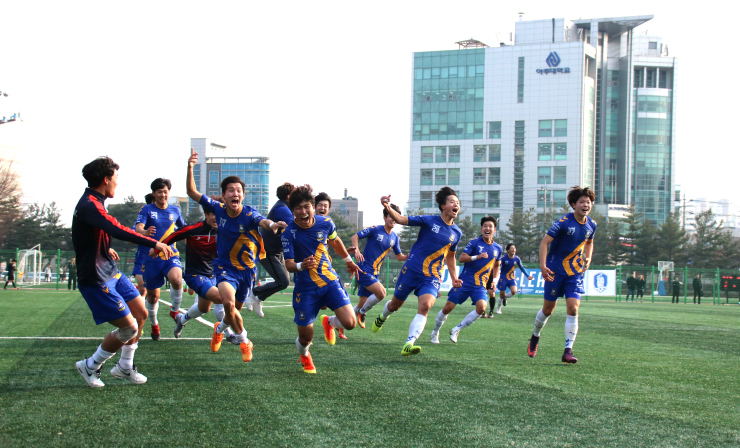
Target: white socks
(469, 319)
(539, 322)
(127, 356)
(192, 313)
(175, 298)
(509, 294)
(221, 327)
(571, 330)
(369, 304)
(386, 312)
(334, 322)
(500, 302)
(218, 311)
(98, 358)
(441, 319)
(152, 309)
(416, 327)
(301, 349)
(242, 337)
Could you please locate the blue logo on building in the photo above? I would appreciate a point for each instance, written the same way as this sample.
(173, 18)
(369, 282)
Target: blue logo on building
(600, 282)
(553, 60)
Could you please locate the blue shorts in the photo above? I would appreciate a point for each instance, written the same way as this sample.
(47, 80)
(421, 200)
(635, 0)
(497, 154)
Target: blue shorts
(419, 283)
(308, 300)
(241, 281)
(365, 280)
(156, 270)
(108, 301)
(568, 286)
(503, 283)
(139, 259)
(459, 295)
(200, 284)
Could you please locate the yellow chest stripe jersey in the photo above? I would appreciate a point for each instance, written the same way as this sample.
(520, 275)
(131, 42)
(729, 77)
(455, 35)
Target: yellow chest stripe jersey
(481, 277)
(579, 264)
(246, 250)
(432, 266)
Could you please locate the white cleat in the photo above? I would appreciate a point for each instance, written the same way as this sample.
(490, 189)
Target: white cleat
(131, 375)
(92, 377)
(257, 306)
(179, 324)
(435, 337)
(498, 311)
(249, 301)
(453, 334)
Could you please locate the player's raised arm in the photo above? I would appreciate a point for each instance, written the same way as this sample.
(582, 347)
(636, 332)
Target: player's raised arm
(190, 182)
(397, 217)
(274, 226)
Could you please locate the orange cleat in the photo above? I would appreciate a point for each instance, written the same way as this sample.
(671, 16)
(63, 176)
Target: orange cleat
(341, 333)
(246, 349)
(307, 362)
(361, 320)
(216, 339)
(329, 335)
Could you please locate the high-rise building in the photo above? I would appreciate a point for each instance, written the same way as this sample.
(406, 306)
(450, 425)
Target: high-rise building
(586, 102)
(216, 162)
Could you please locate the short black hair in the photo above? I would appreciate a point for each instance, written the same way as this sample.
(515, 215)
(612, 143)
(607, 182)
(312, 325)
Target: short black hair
(149, 198)
(509, 246)
(394, 207)
(487, 219)
(323, 197)
(300, 194)
(577, 193)
(442, 196)
(284, 191)
(97, 170)
(159, 183)
(231, 180)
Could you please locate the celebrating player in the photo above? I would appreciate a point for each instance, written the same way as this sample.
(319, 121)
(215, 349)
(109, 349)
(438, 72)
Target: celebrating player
(142, 252)
(509, 263)
(380, 240)
(316, 282)
(238, 247)
(437, 243)
(109, 294)
(482, 259)
(571, 245)
(159, 220)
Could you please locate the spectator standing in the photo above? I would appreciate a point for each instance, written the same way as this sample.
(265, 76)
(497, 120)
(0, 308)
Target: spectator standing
(640, 286)
(72, 273)
(47, 273)
(697, 288)
(631, 284)
(676, 290)
(11, 275)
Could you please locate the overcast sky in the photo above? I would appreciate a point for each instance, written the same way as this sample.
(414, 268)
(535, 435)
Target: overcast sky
(321, 88)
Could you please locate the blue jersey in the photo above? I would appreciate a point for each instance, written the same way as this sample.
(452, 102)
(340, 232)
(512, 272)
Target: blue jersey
(436, 239)
(379, 243)
(141, 251)
(300, 243)
(477, 272)
(509, 265)
(566, 248)
(239, 244)
(165, 220)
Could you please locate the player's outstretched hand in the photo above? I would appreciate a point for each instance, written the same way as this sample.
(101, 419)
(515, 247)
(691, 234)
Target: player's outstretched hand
(152, 253)
(193, 158)
(150, 231)
(309, 263)
(352, 250)
(114, 254)
(165, 249)
(277, 225)
(483, 255)
(531, 277)
(457, 283)
(385, 200)
(547, 273)
(353, 269)
(586, 264)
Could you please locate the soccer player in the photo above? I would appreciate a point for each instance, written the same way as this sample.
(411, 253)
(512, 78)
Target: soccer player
(436, 244)
(274, 262)
(141, 254)
(482, 258)
(380, 241)
(571, 245)
(11, 275)
(509, 263)
(316, 283)
(238, 248)
(159, 220)
(109, 294)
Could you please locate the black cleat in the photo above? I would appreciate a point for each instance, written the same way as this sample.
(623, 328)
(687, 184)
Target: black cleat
(568, 356)
(504, 301)
(532, 347)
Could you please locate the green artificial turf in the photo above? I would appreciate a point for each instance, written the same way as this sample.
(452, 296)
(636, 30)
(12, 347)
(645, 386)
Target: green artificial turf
(648, 374)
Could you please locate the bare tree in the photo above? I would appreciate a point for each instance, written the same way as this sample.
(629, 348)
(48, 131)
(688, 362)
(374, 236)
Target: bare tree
(10, 196)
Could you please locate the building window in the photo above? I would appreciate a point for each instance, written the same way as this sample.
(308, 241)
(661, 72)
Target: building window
(545, 128)
(478, 216)
(652, 45)
(558, 176)
(479, 199)
(494, 153)
(651, 79)
(494, 199)
(213, 179)
(561, 128)
(494, 129)
(479, 176)
(454, 176)
(440, 154)
(426, 199)
(520, 82)
(545, 151)
(561, 151)
(541, 197)
(426, 177)
(427, 154)
(663, 82)
(454, 154)
(494, 176)
(479, 153)
(637, 82)
(559, 197)
(543, 175)
(440, 176)
(519, 164)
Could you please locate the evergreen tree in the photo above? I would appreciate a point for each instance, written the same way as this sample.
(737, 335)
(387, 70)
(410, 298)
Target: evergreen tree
(409, 234)
(634, 222)
(646, 253)
(707, 237)
(126, 213)
(671, 240)
(523, 230)
(41, 224)
(10, 200)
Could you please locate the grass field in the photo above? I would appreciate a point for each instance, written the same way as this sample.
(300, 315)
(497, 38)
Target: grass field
(648, 375)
